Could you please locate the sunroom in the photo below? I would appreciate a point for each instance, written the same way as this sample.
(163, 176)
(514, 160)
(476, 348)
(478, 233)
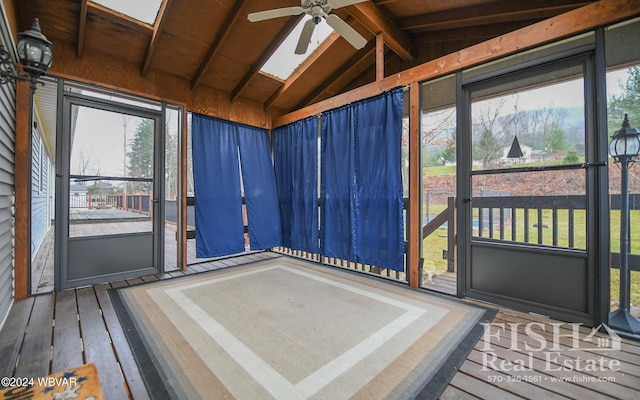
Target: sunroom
(466, 152)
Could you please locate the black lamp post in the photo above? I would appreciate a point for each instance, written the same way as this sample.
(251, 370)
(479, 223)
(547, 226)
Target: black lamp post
(34, 53)
(624, 148)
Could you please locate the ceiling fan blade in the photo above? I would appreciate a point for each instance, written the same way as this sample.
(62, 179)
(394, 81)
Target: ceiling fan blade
(305, 36)
(346, 31)
(276, 13)
(343, 3)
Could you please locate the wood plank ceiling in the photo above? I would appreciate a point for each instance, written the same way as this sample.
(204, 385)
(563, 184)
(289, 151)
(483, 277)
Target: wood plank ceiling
(211, 42)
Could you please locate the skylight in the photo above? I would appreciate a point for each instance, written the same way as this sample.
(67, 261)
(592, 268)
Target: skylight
(284, 61)
(142, 10)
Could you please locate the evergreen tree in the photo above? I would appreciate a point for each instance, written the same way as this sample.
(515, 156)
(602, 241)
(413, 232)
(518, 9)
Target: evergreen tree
(554, 140)
(141, 155)
(571, 157)
(627, 102)
(487, 149)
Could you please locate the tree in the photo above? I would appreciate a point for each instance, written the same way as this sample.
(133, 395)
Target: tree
(449, 153)
(571, 157)
(627, 102)
(85, 165)
(491, 132)
(436, 124)
(539, 128)
(554, 141)
(141, 155)
(487, 148)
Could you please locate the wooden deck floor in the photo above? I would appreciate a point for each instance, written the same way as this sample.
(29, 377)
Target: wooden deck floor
(52, 332)
(42, 267)
(444, 282)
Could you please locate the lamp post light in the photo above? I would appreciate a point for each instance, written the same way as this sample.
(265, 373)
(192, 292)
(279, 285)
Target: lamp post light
(624, 148)
(34, 53)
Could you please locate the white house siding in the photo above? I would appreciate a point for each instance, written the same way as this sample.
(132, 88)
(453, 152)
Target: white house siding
(7, 168)
(40, 166)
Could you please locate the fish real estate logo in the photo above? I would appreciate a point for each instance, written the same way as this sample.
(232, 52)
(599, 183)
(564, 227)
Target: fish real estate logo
(550, 347)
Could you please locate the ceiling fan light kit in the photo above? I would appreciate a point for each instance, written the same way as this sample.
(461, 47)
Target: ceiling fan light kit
(318, 10)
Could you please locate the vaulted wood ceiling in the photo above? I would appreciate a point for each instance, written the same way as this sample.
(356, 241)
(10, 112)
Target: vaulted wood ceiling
(211, 42)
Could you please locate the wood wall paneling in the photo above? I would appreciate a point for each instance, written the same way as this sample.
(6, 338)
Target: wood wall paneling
(100, 69)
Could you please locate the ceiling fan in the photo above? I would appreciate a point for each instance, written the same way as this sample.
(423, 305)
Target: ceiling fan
(318, 9)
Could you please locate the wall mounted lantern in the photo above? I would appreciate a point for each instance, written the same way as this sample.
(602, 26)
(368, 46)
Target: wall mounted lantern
(624, 148)
(34, 53)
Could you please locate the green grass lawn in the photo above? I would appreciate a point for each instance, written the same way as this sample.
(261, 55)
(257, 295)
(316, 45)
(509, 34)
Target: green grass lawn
(439, 170)
(434, 244)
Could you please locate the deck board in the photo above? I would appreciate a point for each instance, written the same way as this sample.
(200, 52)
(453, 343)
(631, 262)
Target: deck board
(120, 344)
(523, 389)
(67, 349)
(573, 391)
(479, 388)
(13, 334)
(36, 349)
(453, 393)
(28, 332)
(97, 345)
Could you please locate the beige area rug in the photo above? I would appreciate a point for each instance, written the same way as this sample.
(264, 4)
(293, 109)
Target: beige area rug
(289, 329)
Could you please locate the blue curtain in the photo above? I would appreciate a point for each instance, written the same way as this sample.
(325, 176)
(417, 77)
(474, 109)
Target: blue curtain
(362, 182)
(216, 180)
(283, 159)
(337, 166)
(260, 192)
(379, 238)
(295, 149)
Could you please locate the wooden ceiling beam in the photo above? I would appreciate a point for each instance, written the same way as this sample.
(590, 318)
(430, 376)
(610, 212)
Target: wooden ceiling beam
(82, 25)
(264, 57)
(357, 64)
(489, 13)
(298, 72)
(380, 56)
(480, 33)
(383, 2)
(118, 18)
(217, 42)
(576, 21)
(367, 74)
(376, 20)
(157, 28)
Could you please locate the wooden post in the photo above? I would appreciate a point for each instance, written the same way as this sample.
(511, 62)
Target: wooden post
(379, 57)
(22, 192)
(415, 226)
(182, 251)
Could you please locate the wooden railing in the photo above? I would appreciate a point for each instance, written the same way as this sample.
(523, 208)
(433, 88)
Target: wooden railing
(509, 218)
(447, 216)
(494, 217)
(338, 262)
(134, 202)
